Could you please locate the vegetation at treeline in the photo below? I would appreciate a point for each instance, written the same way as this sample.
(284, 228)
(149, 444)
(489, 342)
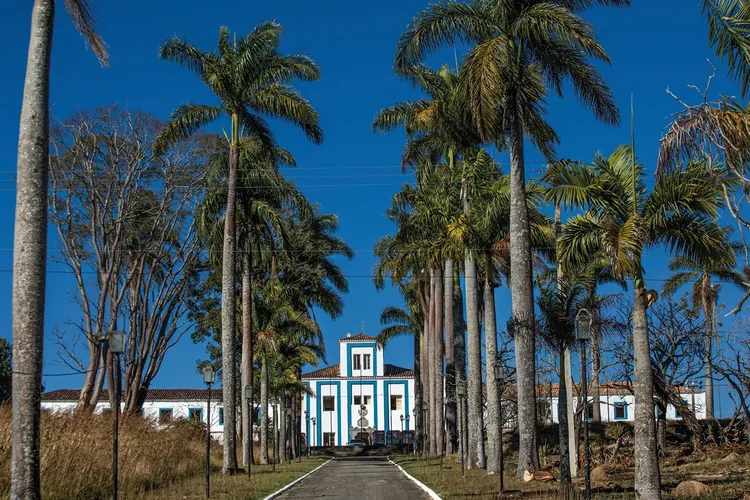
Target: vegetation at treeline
(191, 231)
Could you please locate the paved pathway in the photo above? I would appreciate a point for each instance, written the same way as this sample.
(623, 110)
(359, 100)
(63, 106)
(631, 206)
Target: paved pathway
(367, 478)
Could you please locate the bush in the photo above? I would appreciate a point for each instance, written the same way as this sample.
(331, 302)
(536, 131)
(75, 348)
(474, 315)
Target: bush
(76, 455)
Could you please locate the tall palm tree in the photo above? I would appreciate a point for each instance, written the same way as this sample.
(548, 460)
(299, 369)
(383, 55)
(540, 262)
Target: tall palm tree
(623, 220)
(518, 49)
(728, 35)
(30, 237)
(701, 272)
(250, 77)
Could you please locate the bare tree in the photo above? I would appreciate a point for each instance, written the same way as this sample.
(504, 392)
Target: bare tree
(124, 218)
(733, 365)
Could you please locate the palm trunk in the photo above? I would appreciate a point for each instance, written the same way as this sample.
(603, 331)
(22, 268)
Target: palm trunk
(282, 431)
(450, 366)
(661, 424)
(562, 417)
(229, 309)
(596, 363)
(418, 392)
(247, 360)
(708, 311)
(438, 389)
(494, 425)
(264, 411)
(30, 256)
(425, 363)
(431, 362)
(459, 350)
(647, 476)
(476, 408)
(522, 300)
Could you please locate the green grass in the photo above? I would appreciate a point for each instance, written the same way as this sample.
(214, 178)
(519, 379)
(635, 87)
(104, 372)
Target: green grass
(726, 480)
(263, 482)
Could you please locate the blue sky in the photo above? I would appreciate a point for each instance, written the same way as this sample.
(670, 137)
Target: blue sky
(653, 45)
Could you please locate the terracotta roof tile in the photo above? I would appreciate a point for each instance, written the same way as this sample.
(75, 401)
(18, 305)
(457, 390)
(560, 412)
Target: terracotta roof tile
(153, 395)
(359, 338)
(333, 371)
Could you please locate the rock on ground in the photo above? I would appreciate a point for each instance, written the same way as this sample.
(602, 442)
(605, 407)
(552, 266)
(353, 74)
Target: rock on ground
(691, 489)
(732, 457)
(599, 475)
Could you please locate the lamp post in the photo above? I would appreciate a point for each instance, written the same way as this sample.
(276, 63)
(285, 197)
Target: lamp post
(407, 426)
(500, 377)
(208, 378)
(249, 430)
(273, 436)
(583, 333)
(461, 393)
(287, 429)
(313, 420)
(401, 438)
(116, 341)
(307, 432)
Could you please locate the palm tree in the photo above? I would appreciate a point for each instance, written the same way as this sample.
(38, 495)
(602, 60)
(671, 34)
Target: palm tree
(250, 78)
(701, 272)
(727, 33)
(520, 47)
(623, 220)
(30, 237)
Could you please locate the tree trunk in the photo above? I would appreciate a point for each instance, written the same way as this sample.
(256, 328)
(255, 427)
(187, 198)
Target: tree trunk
(450, 365)
(30, 256)
(708, 311)
(522, 300)
(494, 423)
(647, 475)
(661, 424)
(418, 392)
(229, 309)
(596, 363)
(282, 431)
(431, 360)
(425, 364)
(438, 389)
(264, 411)
(247, 361)
(459, 351)
(476, 408)
(562, 417)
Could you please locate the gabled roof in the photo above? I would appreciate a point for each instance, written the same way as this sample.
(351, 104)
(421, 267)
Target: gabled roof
(359, 338)
(67, 395)
(334, 371)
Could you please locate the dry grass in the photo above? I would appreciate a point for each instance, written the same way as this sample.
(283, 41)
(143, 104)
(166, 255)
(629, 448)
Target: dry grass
(726, 480)
(76, 460)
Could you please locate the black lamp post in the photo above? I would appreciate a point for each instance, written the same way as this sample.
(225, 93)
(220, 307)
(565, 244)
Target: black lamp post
(307, 432)
(312, 437)
(583, 333)
(116, 343)
(500, 377)
(461, 393)
(401, 438)
(273, 441)
(209, 375)
(407, 425)
(249, 430)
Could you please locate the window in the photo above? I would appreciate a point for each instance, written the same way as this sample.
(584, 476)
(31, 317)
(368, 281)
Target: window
(221, 416)
(590, 411)
(195, 414)
(165, 415)
(396, 403)
(329, 439)
(621, 411)
(677, 413)
(357, 362)
(359, 400)
(367, 361)
(329, 403)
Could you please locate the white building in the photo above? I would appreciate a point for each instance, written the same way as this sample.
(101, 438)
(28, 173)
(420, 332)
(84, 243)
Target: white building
(616, 403)
(362, 397)
(161, 406)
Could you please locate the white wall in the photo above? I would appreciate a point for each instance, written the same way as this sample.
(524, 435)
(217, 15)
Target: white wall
(607, 406)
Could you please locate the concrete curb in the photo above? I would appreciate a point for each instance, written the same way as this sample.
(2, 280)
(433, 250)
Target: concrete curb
(291, 485)
(422, 486)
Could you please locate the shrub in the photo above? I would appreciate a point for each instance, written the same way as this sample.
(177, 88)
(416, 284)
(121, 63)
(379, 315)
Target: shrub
(76, 455)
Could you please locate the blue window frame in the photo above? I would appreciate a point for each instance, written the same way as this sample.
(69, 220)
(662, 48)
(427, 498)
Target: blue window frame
(165, 415)
(221, 416)
(621, 411)
(195, 414)
(677, 412)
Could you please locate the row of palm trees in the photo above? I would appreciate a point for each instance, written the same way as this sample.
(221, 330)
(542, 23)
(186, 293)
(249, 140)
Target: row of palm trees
(463, 216)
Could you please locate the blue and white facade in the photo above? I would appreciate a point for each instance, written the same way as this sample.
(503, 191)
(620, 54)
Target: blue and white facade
(358, 397)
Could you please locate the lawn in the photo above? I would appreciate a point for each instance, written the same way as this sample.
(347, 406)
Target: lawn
(263, 482)
(726, 480)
